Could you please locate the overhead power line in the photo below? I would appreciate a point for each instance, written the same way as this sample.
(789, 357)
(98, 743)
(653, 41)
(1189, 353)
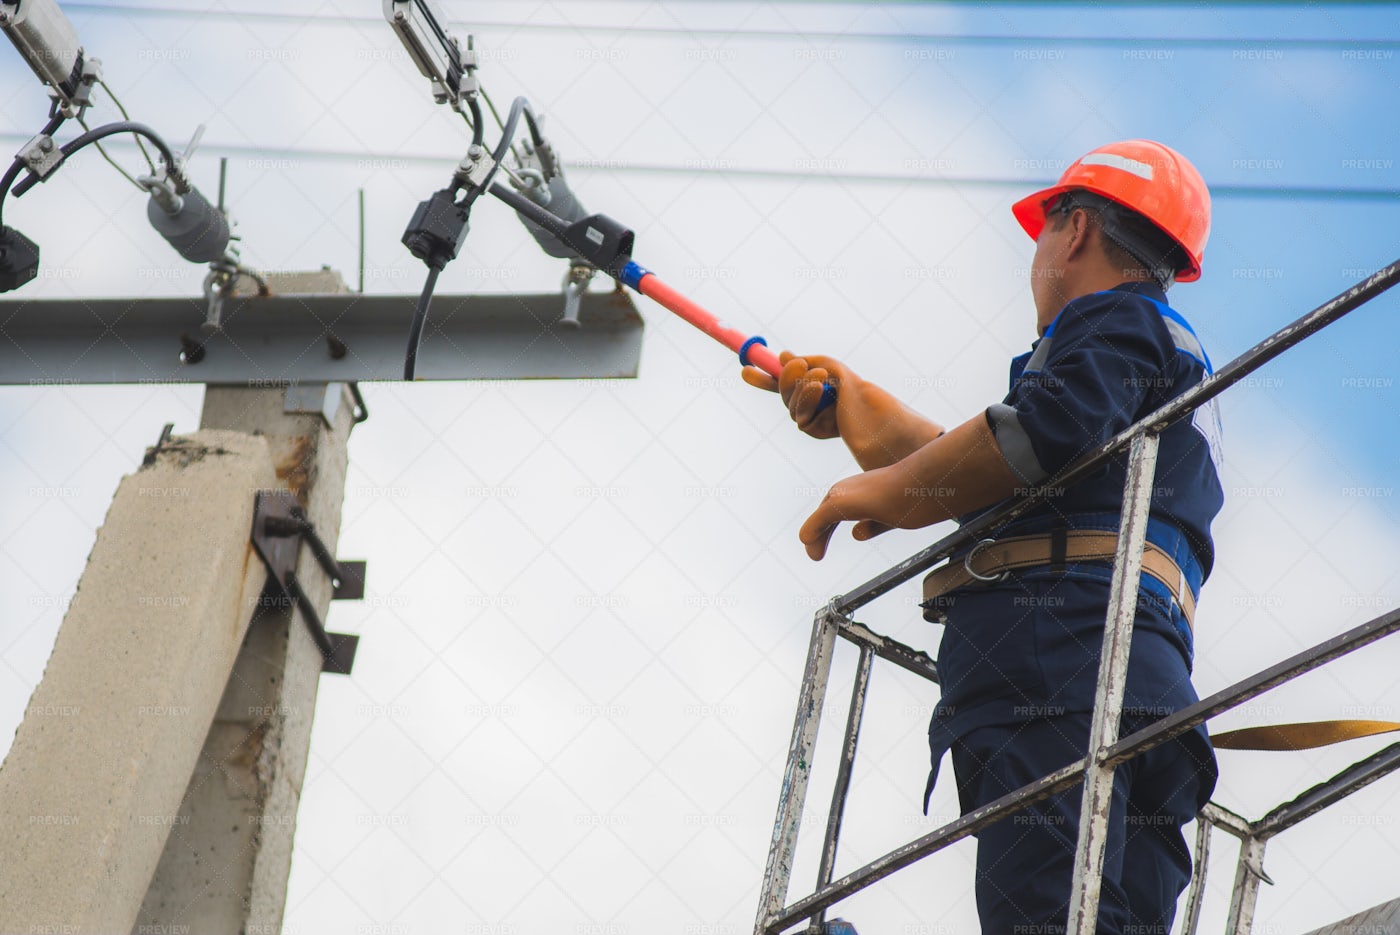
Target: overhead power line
(722, 168)
(789, 34)
(863, 5)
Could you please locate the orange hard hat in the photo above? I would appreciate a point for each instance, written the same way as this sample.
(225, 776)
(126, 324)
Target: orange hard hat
(1154, 180)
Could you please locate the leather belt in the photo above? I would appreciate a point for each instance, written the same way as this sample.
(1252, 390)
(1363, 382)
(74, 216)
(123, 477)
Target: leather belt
(991, 559)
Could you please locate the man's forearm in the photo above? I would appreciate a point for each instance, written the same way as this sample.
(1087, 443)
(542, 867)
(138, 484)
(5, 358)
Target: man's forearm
(957, 472)
(952, 474)
(903, 433)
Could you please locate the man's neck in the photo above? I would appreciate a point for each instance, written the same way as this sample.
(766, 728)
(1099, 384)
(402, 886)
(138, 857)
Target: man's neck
(1085, 283)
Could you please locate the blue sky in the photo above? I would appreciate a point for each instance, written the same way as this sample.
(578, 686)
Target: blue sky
(840, 192)
(1254, 116)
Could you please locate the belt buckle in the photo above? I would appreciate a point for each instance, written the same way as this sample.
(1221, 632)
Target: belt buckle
(967, 563)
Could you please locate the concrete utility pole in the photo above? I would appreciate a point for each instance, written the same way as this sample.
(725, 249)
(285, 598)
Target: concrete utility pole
(154, 782)
(226, 861)
(101, 760)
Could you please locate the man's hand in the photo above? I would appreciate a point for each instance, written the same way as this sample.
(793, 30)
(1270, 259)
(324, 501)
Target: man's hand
(953, 474)
(801, 389)
(869, 499)
(877, 428)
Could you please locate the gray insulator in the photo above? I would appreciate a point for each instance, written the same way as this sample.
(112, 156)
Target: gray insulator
(563, 205)
(198, 231)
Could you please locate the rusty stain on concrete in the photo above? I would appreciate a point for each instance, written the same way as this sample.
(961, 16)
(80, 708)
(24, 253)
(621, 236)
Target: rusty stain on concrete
(294, 467)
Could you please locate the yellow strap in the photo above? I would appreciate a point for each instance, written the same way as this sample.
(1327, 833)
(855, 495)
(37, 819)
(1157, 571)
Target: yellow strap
(1299, 736)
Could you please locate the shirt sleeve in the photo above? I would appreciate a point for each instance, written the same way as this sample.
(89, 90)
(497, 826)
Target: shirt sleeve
(1092, 372)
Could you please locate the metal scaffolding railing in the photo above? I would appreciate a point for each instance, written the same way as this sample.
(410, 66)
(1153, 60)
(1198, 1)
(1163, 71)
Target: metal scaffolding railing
(1106, 750)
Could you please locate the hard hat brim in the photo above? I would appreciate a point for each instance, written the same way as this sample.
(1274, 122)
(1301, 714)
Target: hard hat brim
(1030, 214)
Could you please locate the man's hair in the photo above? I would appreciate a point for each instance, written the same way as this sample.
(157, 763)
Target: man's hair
(1130, 241)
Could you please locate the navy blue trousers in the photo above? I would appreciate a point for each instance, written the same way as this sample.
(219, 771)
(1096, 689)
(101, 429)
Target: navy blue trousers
(1025, 862)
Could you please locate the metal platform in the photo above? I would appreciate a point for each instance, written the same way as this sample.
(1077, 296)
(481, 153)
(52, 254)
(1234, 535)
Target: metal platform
(315, 338)
(1383, 918)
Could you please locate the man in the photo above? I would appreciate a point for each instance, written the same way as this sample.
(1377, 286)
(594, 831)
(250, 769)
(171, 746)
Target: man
(1019, 658)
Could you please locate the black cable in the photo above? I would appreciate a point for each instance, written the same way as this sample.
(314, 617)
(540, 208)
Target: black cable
(507, 135)
(121, 126)
(92, 136)
(420, 316)
(9, 179)
(105, 155)
(534, 212)
(542, 147)
(500, 124)
(517, 106)
(534, 127)
(477, 124)
(16, 167)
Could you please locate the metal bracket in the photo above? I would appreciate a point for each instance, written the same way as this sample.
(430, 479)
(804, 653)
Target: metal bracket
(218, 285)
(475, 169)
(81, 99)
(41, 155)
(279, 527)
(322, 399)
(575, 285)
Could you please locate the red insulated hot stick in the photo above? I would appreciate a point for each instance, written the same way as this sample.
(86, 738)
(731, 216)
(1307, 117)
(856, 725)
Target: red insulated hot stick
(757, 353)
(751, 349)
(605, 244)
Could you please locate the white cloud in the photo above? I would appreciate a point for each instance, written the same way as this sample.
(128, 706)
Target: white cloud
(588, 608)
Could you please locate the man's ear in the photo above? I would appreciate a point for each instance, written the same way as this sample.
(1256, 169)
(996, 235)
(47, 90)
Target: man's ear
(1083, 231)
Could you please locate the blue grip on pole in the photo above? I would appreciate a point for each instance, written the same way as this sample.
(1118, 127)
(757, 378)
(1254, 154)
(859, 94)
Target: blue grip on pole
(632, 274)
(744, 348)
(828, 391)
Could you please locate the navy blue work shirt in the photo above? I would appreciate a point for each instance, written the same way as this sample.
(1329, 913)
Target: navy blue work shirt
(1028, 646)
